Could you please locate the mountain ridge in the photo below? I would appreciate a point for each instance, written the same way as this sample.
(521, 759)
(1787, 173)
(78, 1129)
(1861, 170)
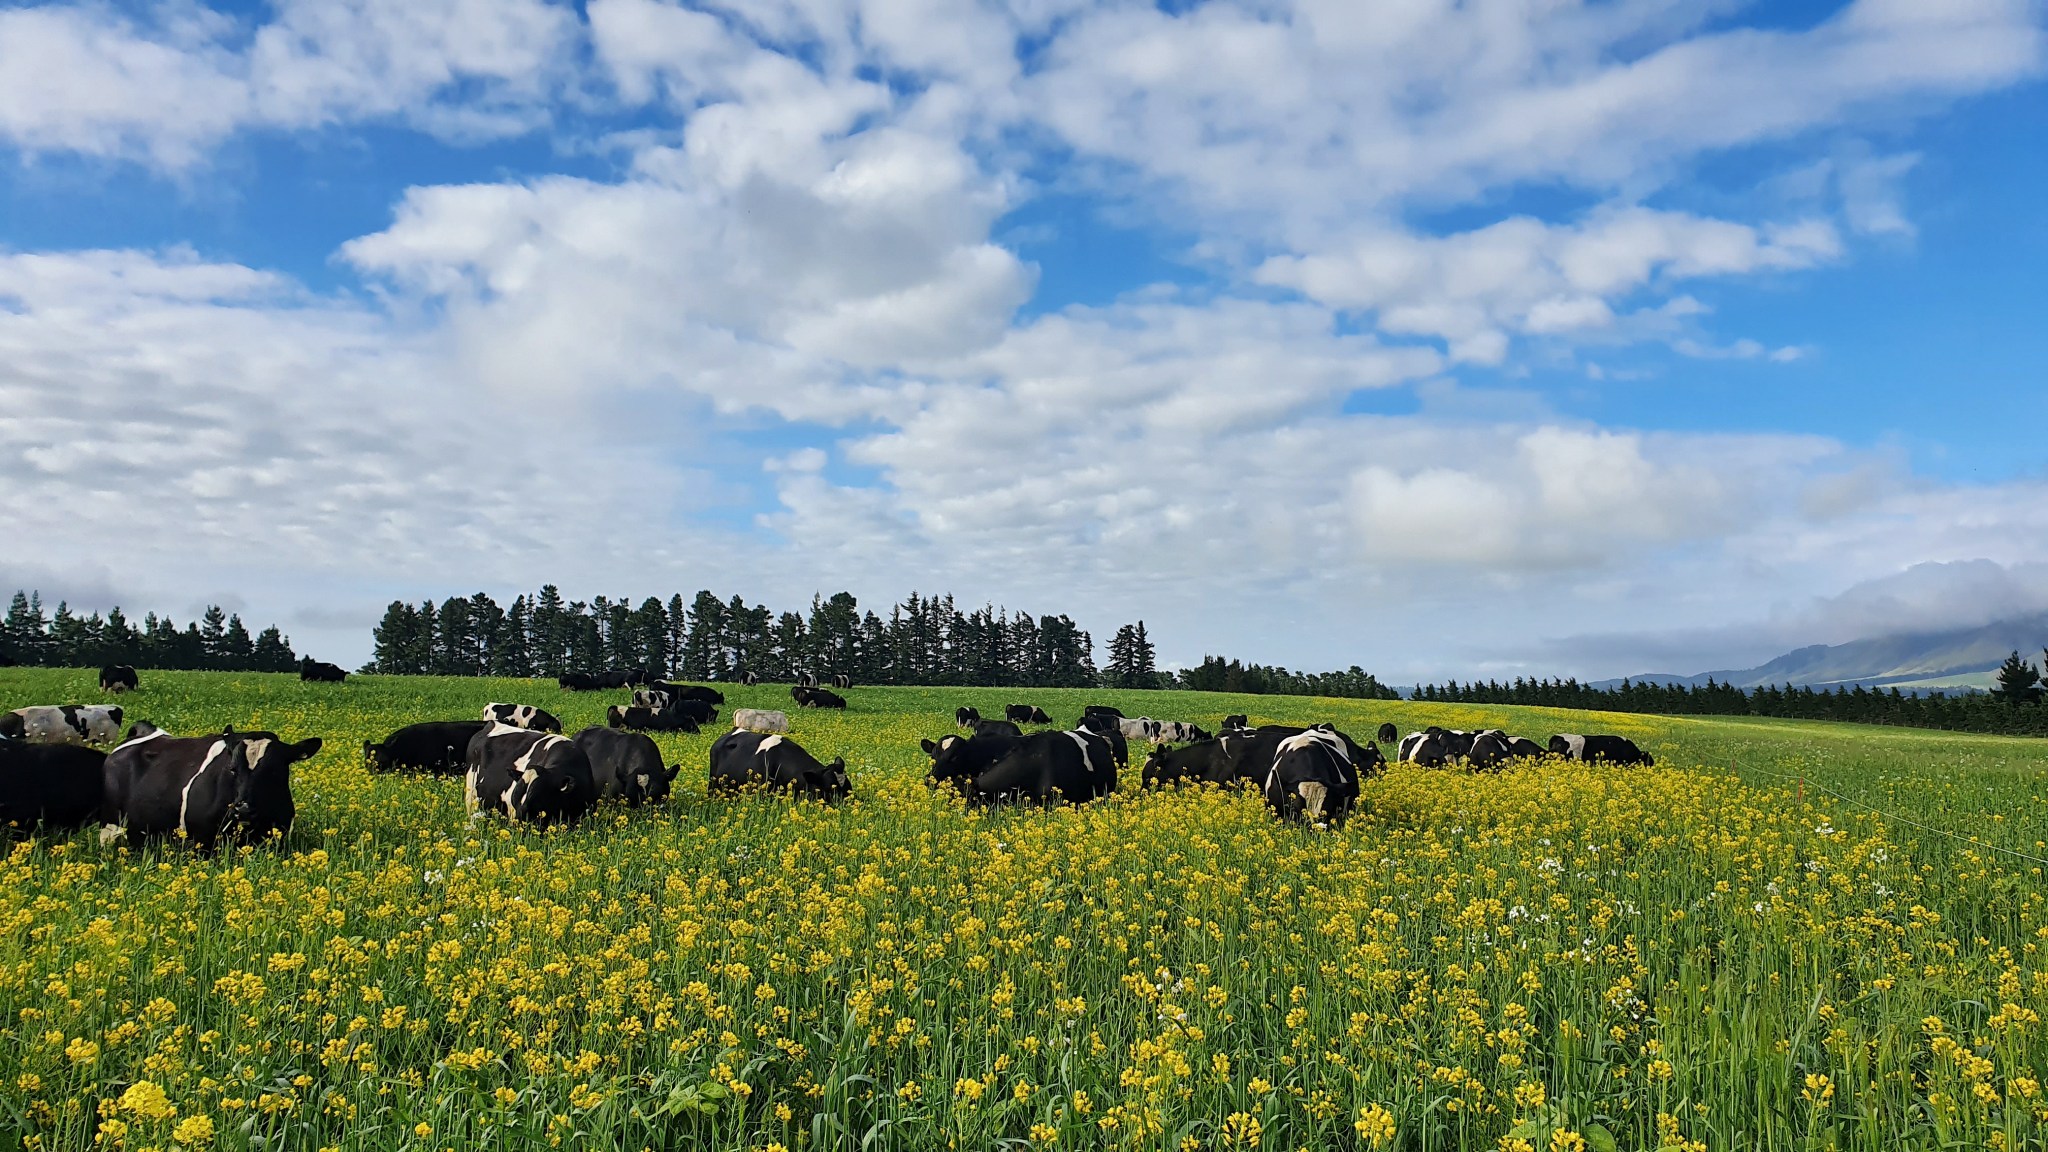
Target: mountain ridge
(1959, 658)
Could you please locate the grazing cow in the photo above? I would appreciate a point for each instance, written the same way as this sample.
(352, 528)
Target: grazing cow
(118, 678)
(807, 680)
(1198, 761)
(1249, 755)
(1489, 750)
(996, 728)
(1139, 728)
(965, 717)
(682, 692)
(1427, 749)
(1102, 710)
(741, 758)
(662, 704)
(1523, 748)
(1613, 749)
(1025, 714)
(1178, 732)
(577, 682)
(236, 786)
(1236, 721)
(1045, 766)
(63, 724)
(320, 672)
(649, 720)
(522, 716)
(625, 766)
(1312, 779)
(1388, 733)
(55, 786)
(818, 698)
(533, 777)
(763, 720)
(437, 747)
(748, 679)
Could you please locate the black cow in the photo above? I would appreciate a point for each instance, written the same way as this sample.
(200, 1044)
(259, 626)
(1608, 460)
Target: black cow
(1026, 714)
(535, 778)
(1613, 749)
(1313, 779)
(321, 672)
(1388, 733)
(236, 786)
(56, 786)
(1523, 748)
(577, 682)
(118, 678)
(740, 758)
(1045, 766)
(522, 716)
(684, 691)
(625, 766)
(996, 728)
(650, 720)
(1489, 750)
(1249, 754)
(437, 746)
(1169, 765)
(818, 698)
(966, 717)
(1236, 720)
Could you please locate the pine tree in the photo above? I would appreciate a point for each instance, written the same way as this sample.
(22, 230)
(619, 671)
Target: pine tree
(273, 652)
(238, 649)
(1144, 660)
(213, 631)
(2018, 681)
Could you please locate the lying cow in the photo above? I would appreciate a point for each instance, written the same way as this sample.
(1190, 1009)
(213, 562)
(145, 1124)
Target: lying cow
(817, 698)
(437, 747)
(320, 672)
(740, 759)
(965, 717)
(1139, 728)
(748, 679)
(576, 682)
(1025, 714)
(1043, 767)
(1166, 765)
(1101, 710)
(55, 786)
(533, 777)
(1388, 733)
(649, 720)
(236, 786)
(996, 728)
(1613, 749)
(118, 678)
(625, 766)
(765, 720)
(841, 681)
(681, 692)
(522, 716)
(63, 724)
(1178, 732)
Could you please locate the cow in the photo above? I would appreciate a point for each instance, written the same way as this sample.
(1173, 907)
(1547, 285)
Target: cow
(625, 766)
(1427, 749)
(320, 672)
(740, 758)
(522, 716)
(819, 698)
(55, 786)
(1523, 748)
(576, 682)
(807, 680)
(1178, 732)
(1249, 755)
(532, 777)
(964, 717)
(1139, 728)
(1045, 766)
(1312, 779)
(747, 679)
(1025, 714)
(1388, 733)
(682, 692)
(438, 747)
(996, 728)
(1198, 761)
(236, 787)
(1236, 721)
(118, 678)
(649, 720)
(1489, 750)
(1101, 710)
(1613, 749)
(63, 724)
(763, 720)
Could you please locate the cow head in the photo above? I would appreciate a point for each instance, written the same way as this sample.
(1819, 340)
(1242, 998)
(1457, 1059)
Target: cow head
(373, 756)
(953, 760)
(831, 780)
(263, 792)
(654, 786)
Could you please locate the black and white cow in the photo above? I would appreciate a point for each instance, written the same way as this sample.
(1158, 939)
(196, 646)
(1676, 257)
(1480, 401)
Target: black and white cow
(625, 766)
(1388, 734)
(1312, 779)
(1523, 748)
(118, 678)
(1139, 728)
(438, 747)
(321, 672)
(681, 692)
(748, 679)
(650, 720)
(63, 724)
(522, 716)
(841, 681)
(1249, 755)
(740, 758)
(1490, 750)
(964, 717)
(236, 786)
(536, 778)
(1101, 710)
(763, 720)
(1178, 732)
(1168, 765)
(807, 680)
(55, 786)
(1426, 749)
(1613, 749)
(1025, 714)
(817, 698)
(1043, 767)
(1236, 722)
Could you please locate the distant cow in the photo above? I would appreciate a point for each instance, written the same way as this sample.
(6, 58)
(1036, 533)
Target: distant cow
(1043, 767)
(320, 672)
(818, 698)
(63, 724)
(625, 766)
(740, 758)
(1523, 748)
(1388, 733)
(763, 720)
(536, 778)
(437, 747)
(807, 680)
(1025, 714)
(1489, 750)
(965, 717)
(681, 692)
(1613, 749)
(1139, 728)
(1166, 765)
(1312, 779)
(577, 682)
(649, 720)
(842, 681)
(1101, 710)
(522, 716)
(748, 679)
(118, 678)
(1178, 732)
(1236, 721)
(235, 786)
(54, 786)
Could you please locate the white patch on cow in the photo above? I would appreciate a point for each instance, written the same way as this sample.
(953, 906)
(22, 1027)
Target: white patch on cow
(641, 779)
(185, 795)
(256, 749)
(111, 832)
(1576, 744)
(156, 735)
(1315, 795)
(1087, 754)
(469, 797)
(765, 745)
(760, 720)
(1315, 738)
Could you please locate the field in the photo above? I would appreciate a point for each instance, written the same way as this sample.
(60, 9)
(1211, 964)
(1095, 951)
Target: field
(1719, 952)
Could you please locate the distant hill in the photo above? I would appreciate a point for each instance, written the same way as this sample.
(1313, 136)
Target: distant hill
(1965, 658)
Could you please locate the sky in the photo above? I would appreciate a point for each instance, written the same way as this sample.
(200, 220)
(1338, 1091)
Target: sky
(1493, 338)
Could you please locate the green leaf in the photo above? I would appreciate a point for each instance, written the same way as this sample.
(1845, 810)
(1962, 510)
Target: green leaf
(1598, 1138)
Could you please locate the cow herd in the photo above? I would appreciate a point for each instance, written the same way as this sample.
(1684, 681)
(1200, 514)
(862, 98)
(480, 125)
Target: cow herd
(516, 762)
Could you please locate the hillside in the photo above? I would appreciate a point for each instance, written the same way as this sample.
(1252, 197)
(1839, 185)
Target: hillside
(1963, 658)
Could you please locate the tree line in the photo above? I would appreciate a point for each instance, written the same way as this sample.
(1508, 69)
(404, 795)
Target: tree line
(1998, 712)
(217, 641)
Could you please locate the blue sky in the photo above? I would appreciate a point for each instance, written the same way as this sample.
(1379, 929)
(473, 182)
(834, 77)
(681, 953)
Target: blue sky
(1446, 339)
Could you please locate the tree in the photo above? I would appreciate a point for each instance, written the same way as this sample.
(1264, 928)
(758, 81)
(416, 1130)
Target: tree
(2018, 681)
(273, 652)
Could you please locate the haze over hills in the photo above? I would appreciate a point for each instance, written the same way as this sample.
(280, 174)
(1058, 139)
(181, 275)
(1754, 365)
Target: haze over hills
(1957, 658)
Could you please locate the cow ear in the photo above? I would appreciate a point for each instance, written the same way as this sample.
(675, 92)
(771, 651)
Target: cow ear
(306, 748)
(673, 771)
(930, 749)
(838, 764)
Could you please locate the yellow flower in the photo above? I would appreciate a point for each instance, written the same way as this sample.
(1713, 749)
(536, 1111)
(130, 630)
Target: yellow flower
(1566, 1140)
(910, 1092)
(1819, 1089)
(194, 1130)
(1375, 1126)
(82, 1051)
(423, 1130)
(1044, 1133)
(147, 1100)
(1242, 1128)
(1529, 1095)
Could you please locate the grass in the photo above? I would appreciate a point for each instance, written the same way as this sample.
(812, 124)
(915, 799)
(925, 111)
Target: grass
(1714, 952)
